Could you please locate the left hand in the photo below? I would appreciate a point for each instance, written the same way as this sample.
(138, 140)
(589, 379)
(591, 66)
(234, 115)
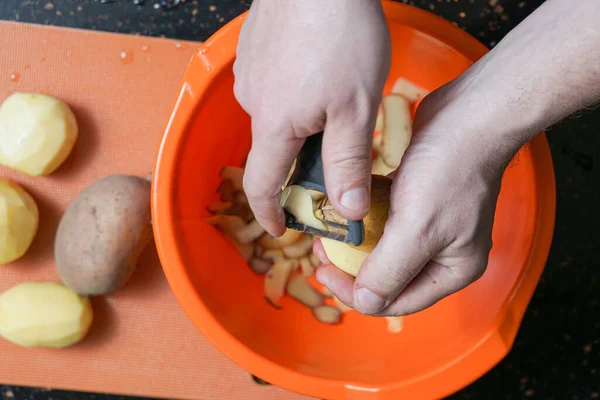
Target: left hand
(305, 66)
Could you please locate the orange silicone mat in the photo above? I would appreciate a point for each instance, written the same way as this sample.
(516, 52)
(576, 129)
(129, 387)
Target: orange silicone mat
(121, 89)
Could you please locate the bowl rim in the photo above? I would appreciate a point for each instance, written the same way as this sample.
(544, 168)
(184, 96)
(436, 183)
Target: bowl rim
(458, 373)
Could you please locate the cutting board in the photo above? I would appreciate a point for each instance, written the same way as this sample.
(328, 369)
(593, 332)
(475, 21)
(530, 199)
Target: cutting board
(121, 89)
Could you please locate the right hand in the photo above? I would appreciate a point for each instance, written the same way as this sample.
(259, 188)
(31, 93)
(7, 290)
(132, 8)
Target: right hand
(439, 231)
(304, 66)
(438, 235)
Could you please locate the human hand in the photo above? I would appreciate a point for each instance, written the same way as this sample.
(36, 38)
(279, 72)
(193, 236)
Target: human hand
(438, 234)
(304, 66)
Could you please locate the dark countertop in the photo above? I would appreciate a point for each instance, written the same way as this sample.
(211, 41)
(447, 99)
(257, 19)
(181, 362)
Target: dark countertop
(557, 351)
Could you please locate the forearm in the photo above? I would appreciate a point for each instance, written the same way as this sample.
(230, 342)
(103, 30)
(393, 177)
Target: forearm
(544, 70)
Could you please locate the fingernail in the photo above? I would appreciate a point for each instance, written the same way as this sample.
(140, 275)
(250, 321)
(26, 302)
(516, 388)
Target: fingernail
(369, 302)
(355, 199)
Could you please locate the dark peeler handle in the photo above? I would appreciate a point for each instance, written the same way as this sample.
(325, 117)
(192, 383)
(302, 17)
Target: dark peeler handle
(309, 165)
(309, 174)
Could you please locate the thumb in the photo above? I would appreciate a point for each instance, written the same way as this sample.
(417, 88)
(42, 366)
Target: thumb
(347, 144)
(398, 258)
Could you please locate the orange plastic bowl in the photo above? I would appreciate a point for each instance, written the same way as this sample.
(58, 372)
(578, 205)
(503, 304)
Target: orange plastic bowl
(440, 350)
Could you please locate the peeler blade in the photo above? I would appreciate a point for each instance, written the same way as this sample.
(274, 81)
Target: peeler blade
(292, 223)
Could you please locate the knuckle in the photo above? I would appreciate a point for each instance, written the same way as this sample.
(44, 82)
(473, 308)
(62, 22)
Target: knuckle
(306, 122)
(419, 218)
(356, 106)
(351, 158)
(268, 125)
(425, 232)
(422, 230)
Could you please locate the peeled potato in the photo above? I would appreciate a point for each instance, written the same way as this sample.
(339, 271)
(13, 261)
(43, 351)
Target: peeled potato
(346, 258)
(19, 220)
(44, 314)
(102, 234)
(37, 133)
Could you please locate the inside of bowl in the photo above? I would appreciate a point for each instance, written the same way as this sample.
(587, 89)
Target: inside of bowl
(360, 349)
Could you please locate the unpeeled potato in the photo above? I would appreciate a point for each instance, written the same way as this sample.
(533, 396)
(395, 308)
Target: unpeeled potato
(37, 133)
(19, 220)
(44, 314)
(102, 234)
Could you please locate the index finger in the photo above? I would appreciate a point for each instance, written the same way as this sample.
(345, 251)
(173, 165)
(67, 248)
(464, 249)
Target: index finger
(268, 165)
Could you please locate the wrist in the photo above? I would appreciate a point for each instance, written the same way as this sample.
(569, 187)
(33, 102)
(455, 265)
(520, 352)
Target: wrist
(512, 106)
(535, 77)
(465, 115)
(500, 104)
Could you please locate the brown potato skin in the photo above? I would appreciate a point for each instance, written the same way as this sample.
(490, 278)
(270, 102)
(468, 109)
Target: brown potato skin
(102, 234)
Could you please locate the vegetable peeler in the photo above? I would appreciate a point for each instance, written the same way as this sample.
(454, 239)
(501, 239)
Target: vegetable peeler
(309, 174)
